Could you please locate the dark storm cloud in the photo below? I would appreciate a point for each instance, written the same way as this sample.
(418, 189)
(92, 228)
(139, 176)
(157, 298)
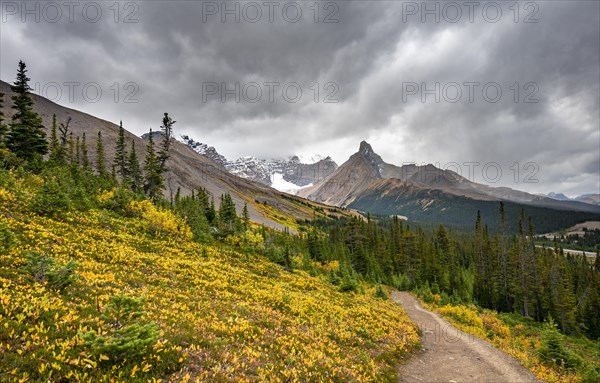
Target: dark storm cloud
(372, 55)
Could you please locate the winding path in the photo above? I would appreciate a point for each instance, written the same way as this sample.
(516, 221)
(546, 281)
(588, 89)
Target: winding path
(450, 355)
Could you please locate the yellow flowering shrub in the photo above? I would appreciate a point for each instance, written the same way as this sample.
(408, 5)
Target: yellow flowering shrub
(494, 326)
(463, 315)
(6, 196)
(106, 195)
(247, 240)
(160, 222)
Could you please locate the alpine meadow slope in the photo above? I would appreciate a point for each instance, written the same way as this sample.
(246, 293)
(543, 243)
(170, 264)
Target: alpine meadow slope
(221, 314)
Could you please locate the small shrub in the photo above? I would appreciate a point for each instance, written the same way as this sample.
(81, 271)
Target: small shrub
(401, 282)
(349, 283)
(333, 278)
(160, 222)
(117, 200)
(425, 293)
(494, 326)
(126, 333)
(44, 270)
(379, 293)
(51, 199)
(552, 352)
(591, 374)
(80, 199)
(463, 315)
(248, 241)
(7, 238)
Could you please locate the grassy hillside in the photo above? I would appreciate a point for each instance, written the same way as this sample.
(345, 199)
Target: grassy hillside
(223, 316)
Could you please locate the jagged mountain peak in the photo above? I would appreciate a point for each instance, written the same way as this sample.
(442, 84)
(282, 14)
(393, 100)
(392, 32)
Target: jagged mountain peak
(366, 151)
(365, 148)
(204, 149)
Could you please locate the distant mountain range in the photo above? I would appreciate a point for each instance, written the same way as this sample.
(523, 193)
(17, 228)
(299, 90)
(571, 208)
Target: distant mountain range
(592, 199)
(293, 170)
(422, 193)
(425, 193)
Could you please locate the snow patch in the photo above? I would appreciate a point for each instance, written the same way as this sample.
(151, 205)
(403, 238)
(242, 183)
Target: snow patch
(277, 182)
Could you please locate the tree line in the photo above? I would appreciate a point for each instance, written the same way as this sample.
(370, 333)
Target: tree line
(496, 270)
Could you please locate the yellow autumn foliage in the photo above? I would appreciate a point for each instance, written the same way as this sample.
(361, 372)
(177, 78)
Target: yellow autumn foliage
(223, 317)
(160, 222)
(247, 240)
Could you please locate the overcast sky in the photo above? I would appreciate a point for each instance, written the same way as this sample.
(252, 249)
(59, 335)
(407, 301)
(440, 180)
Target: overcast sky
(446, 83)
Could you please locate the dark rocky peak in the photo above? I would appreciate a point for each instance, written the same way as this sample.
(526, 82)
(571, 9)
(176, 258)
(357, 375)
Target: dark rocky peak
(367, 152)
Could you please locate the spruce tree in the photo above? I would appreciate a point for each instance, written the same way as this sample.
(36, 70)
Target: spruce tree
(100, 156)
(56, 152)
(26, 137)
(228, 214)
(135, 171)
(153, 179)
(71, 147)
(167, 133)
(211, 212)
(246, 216)
(120, 160)
(78, 151)
(85, 161)
(3, 128)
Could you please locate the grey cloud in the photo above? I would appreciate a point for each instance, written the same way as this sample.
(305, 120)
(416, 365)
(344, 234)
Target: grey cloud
(369, 54)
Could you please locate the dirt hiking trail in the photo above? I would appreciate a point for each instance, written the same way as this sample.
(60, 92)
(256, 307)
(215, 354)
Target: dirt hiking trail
(450, 355)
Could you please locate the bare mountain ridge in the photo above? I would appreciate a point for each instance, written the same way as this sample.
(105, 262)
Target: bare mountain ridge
(187, 169)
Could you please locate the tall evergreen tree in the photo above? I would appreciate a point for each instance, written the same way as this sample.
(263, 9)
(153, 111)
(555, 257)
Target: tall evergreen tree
(135, 172)
(211, 213)
(85, 160)
(26, 137)
(503, 253)
(3, 127)
(120, 160)
(71, 149)
(100, 156)
(246, 216)
(78, 151)
(167, 132)
(228, 214)
(153, 179)
(56, 153)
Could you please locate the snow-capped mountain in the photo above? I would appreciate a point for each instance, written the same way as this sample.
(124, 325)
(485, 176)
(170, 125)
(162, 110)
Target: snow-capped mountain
(292, 170)
(287, 175)
(253, 168)
(205, 150)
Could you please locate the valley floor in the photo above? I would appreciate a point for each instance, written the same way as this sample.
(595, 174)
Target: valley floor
(450, 355)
